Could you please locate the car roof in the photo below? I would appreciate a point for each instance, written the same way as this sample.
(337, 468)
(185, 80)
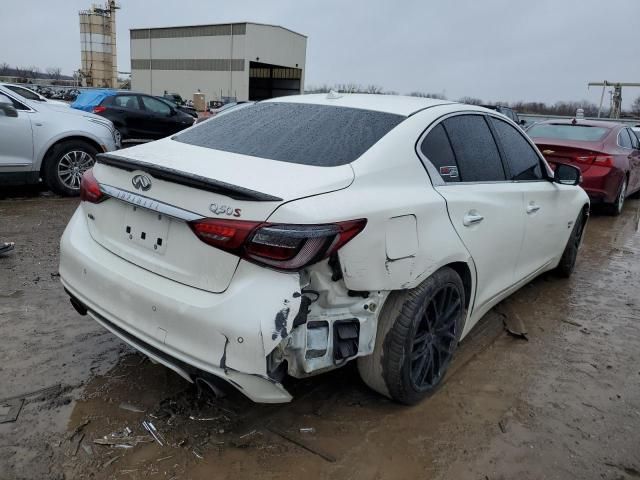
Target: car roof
(397, 104)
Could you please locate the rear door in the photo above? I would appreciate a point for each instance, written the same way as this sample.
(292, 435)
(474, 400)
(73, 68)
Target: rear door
(128, 113)
(544, 204)
(485, 209)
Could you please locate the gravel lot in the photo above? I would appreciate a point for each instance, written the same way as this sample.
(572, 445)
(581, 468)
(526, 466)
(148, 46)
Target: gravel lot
(563, 405)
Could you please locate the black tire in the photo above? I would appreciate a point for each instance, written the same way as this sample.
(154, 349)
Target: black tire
(411, 344)
(77, 156)
(614, 209)
(569, 256)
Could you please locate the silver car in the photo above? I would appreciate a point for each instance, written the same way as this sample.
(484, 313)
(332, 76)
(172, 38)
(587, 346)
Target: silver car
(55, 143)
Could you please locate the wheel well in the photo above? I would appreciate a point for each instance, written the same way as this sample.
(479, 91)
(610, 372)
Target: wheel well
(463, 270)
(67, 139)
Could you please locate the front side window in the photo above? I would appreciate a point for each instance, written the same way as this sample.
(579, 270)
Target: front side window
(156, 106)
(624, 140)
(475, 149)
(16, 104)
(523, 161)
(437, 148)
(127, 101)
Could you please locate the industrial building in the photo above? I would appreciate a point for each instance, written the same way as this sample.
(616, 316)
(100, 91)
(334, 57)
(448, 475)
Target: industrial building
(245, 61)
(98, 46)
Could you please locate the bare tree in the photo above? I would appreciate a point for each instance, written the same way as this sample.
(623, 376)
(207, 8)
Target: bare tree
(54, 73)
(437, 96)
(317, 89)
(470, 101)
(5, 68)
(22, 73)
(373, 89)
(635, 107)
(33, 71)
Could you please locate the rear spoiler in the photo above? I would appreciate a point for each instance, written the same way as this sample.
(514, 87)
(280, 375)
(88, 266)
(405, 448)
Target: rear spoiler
(184, 178)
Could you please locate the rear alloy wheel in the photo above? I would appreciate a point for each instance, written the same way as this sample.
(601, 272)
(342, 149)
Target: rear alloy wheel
(66, 164)
(569, 256)
(418, 332)
(615, 208)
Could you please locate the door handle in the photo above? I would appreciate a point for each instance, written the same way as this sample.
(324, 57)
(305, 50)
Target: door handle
(532, 208)
(471, 219)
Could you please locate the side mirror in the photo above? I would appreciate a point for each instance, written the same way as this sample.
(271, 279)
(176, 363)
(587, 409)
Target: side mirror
(8, 109)
(523, 122)
(173, 112)
(567, 174)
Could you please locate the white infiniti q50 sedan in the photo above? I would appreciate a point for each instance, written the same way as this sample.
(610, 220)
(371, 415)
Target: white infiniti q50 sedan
(294, 235)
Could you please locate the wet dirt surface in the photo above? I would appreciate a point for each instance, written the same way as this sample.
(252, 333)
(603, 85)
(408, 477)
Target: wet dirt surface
(565, 404)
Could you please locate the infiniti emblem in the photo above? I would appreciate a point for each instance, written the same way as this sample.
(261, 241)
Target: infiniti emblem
(141, 182)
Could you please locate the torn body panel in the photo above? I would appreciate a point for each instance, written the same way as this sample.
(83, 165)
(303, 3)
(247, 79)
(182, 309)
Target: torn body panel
(340, 325)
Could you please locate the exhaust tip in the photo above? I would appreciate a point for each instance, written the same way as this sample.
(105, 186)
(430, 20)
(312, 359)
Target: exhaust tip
(211, 385)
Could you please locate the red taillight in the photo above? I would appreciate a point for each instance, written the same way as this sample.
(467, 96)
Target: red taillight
(99, 109)
(227, 235)
(90, 188)
(603, 161)
(281, 246)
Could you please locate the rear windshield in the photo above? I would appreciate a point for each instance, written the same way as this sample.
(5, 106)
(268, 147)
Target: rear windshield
(318, 135)
(568, 132)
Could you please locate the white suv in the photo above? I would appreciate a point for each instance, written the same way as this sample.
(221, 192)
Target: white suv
(49, 141)
(296, 234)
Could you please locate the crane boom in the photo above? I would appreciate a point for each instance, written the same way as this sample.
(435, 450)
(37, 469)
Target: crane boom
(616, 98)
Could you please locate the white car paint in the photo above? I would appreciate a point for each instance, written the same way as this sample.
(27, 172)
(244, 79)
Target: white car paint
(26, 139)
(191, 306)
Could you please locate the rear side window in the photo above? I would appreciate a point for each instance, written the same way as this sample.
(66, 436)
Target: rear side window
(126, 101)
(437, 148)
(624, 140)
(475, 149)
(318, 135)
(523, 161)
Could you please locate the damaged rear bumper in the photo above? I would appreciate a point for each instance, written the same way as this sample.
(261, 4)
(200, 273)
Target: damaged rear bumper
(227, 334)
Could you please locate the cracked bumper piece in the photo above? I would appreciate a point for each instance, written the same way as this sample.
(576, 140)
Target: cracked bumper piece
(227, 334)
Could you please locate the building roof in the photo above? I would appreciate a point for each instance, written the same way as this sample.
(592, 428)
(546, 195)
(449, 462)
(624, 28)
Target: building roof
(220, 24)
(398, 104)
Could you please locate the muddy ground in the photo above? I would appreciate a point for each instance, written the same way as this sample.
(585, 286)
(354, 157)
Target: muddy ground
(563, 405)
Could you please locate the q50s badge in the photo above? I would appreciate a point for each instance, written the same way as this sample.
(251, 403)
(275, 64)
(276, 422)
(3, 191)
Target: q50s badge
(225, 210)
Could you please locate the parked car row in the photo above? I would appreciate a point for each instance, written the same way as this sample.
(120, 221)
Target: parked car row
(295, 235)
(55, 92)
(138, 117)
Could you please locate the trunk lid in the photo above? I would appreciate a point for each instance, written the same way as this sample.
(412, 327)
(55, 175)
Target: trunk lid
(148, 225)
(579, 154)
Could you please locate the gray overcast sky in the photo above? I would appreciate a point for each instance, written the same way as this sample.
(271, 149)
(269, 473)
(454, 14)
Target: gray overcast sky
(536, 50)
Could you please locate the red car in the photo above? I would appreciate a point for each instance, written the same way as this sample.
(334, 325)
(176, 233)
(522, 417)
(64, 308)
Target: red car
(607, 153)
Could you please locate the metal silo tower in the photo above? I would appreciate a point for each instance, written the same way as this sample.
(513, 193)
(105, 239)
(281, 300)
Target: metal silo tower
(98, 45)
